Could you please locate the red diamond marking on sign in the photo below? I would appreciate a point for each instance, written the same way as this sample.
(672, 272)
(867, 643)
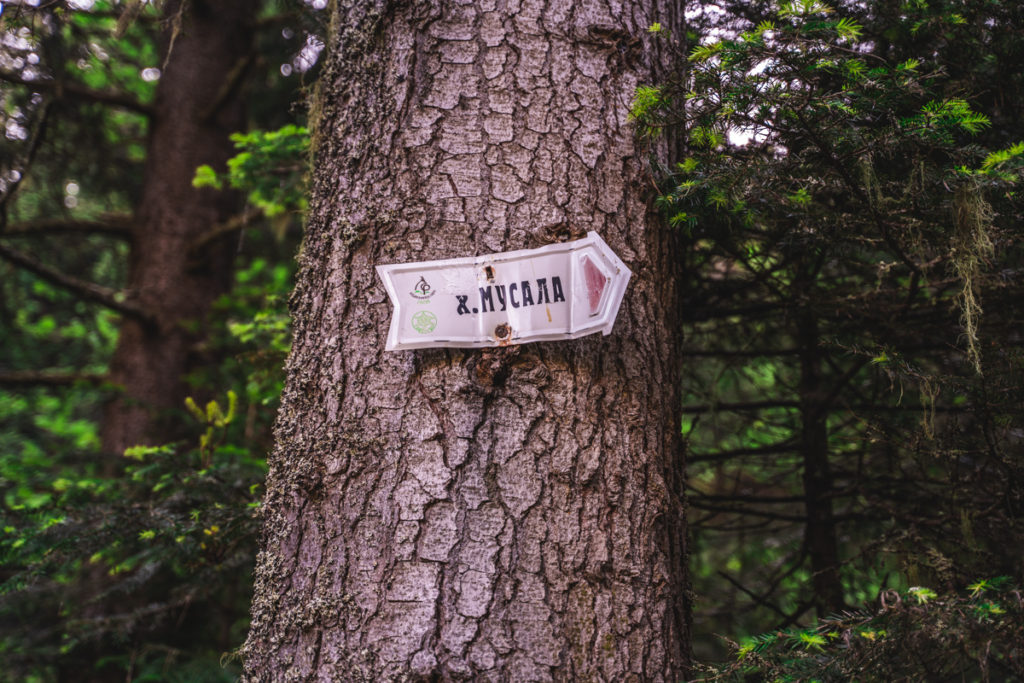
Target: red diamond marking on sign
(596, 282)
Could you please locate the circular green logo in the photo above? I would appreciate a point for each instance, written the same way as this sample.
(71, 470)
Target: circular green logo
(424, 322)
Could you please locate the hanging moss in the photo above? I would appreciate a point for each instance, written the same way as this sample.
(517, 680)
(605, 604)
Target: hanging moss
(971, 248)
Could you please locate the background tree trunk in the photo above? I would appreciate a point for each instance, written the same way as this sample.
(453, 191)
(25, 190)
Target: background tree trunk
(196, 109)
(820, 529)
(507, 514)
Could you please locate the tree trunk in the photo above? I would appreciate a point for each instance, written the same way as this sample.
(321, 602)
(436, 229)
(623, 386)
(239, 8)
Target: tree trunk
(196, 111)
(505, 514)
(820, 530)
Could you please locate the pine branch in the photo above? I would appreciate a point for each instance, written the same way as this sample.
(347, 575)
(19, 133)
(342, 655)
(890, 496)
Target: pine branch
(730, 353)
(737, 407)
(279, 19)
(764, 405)
(837, 385)
(29, 156)
(758, 599)
(746, 512)
(234, 223)
(89, 291)
(228, 87)
(115, 99)
(718, 456)
(48, 378)
(114, 225)
(739, 498)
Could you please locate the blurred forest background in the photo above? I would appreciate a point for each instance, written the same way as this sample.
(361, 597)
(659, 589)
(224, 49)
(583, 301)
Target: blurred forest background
(139, 267)
(846, 185)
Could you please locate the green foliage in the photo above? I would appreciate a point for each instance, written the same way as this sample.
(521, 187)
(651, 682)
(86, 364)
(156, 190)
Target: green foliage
(802, 8)
(270, 167)
(207, 177)
(921, 595)
(845, 208)
(104, 564)
(175, 514)
(77, 48)
(703, 53)
(978, 636)
(175, 522)
(647, 101)
(1003, 164)
(941, 119)
(848, 29)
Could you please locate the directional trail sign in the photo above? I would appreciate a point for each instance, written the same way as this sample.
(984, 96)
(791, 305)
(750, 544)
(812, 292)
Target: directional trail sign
(561, 291)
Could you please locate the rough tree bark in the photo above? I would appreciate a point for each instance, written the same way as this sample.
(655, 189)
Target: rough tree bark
(507, 514)
(196, 109)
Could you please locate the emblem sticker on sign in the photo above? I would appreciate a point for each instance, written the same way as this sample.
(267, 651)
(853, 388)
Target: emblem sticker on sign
(561, 291)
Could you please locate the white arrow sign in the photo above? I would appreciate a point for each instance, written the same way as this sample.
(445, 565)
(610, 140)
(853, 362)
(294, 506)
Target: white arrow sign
(561, 291)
